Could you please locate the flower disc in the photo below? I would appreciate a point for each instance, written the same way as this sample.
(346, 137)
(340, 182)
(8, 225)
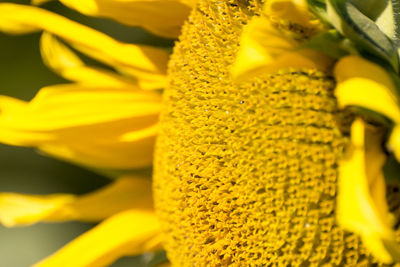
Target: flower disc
(245, 173)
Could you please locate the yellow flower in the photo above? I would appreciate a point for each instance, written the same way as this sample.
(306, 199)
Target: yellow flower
(244, 172)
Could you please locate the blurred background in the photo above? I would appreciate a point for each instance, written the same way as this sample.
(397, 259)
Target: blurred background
(23, 170)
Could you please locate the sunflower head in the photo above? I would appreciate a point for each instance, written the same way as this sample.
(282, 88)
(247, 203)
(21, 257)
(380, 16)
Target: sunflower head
(257, 161)
(246, 173)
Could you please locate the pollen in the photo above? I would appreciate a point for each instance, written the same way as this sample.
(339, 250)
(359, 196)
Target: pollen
(246, 173)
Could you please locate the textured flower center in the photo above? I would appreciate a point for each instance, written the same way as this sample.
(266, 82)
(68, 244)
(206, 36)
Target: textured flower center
(245, 174)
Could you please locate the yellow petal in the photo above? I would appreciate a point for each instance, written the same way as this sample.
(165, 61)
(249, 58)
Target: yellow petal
(386, 21)
(356, 67)
(70, 105)
(135, 60)
(39, 2)
(365, 84)
(394, 142)
(127, 233)
(361, 201)
(66, 63)
(86, 125)
(190, 3)
(294, 11)
(368, 94)
(125, 193)
(160, 17)
(16, 209)
(113, 154)
(264, 49)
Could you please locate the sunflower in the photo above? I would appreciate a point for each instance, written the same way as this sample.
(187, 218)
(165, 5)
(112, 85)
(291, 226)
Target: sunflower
(274, 120)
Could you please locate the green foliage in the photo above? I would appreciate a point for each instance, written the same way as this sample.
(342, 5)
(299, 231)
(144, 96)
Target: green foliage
(318, 7)
(331, 43)
(366, 27)
(363, 31)
(370, 8)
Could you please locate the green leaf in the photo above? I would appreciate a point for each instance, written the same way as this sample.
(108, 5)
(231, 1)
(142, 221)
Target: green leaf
(386, 21)
(389, 22)
(318, 8)
(157, 259)
(396, 14)
(363, 31)
(370, 8)
(330, 43)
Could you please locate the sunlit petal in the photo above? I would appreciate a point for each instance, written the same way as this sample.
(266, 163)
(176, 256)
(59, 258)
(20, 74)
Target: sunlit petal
(365, 84)
(133, 59)
(124, 193)
(39, 2)
(361, 202)
(87, 125)
(293, 11)
(160, 17)
(66, 63)
(17, 209)
(127, 233)
(357, 67)
(264, 49)
(368, 94)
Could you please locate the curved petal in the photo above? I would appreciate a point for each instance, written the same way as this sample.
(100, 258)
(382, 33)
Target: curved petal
(368, 94)
(39, 2)
(394, 142)
(127, 233)
(365, 84)
(67, 64)
(293, 11)
(70, 105)
(87, 125)
(125, 193)
(115, 154)
(17, 209)
(356, 67)
(264, 49)
(160, 17)
(135, 60)
(361, 201)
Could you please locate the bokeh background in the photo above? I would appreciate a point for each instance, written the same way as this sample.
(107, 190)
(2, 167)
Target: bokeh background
(22, 74)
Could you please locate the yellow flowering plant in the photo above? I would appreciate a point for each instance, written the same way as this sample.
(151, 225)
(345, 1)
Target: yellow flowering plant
(269, 129)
